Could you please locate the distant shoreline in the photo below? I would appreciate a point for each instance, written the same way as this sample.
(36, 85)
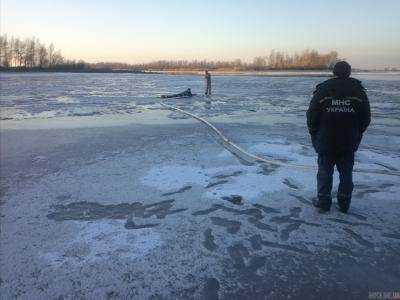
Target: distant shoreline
(23, 70)
(269, 73)
(272, 73)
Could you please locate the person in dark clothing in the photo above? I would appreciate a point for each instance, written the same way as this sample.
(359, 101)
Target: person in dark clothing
(338, 115)
(208, 83)
(187, 93)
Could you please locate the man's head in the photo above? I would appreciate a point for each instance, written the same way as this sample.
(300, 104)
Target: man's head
(206, 71)
(342, 69)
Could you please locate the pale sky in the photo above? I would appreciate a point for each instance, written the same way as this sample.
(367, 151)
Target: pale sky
(365, 32)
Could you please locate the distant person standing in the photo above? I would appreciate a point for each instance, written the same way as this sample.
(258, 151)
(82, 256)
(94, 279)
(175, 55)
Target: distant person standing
(337, 117)
(208, 83)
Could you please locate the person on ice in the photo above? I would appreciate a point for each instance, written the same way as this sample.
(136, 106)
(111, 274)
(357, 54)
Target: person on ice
(338, 115)
(208, 83)
(187, 93)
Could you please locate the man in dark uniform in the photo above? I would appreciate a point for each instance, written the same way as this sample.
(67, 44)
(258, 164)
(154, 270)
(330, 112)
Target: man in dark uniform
(208, 83)
(337, 117)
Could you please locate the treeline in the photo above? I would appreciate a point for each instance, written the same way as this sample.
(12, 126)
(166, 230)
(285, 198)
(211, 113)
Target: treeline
(276, 60)
(31, 54)
(308, 59)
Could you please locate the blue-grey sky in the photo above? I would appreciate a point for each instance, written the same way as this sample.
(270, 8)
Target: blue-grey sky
(366, 32)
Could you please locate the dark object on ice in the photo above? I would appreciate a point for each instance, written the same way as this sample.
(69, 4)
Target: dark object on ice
(342, 69)
(90, 211)
(131, 225)
(181, 190)
(338, 115)
(208, 242)
(235, 199)
(207, 76)
(187, 93)
(211, 288)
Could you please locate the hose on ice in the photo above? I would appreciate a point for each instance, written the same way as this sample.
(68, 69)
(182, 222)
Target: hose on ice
(251, 158)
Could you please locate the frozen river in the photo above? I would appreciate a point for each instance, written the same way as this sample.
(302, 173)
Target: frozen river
(38, 95)
(106, 195)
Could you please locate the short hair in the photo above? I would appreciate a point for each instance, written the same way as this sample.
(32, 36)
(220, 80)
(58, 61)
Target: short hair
(342, 69)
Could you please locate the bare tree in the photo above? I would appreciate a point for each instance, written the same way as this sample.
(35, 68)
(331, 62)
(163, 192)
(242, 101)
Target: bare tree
(58, 59)
(18, 52)
(51, 55)
(30, 53)
(42, 57)
(259, 63)
(5, 51)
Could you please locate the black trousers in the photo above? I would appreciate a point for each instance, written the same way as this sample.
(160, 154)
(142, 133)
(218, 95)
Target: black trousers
(208, 88)
(326, 163)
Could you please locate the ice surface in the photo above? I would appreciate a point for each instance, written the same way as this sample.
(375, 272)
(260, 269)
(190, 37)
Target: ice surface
(250, 183)
(115, 94)
(99, 240)
(143, 198)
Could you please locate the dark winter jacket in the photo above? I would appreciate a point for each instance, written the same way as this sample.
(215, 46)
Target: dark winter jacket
(338, 115)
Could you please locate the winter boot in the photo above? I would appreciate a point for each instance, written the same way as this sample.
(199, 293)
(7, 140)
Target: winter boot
(323, 203)
(343, 203)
